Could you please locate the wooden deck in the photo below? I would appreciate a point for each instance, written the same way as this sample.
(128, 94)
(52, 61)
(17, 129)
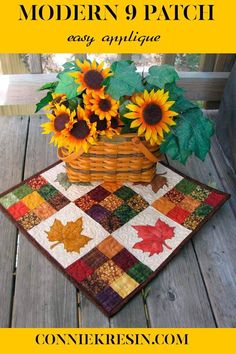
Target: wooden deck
(196, 289)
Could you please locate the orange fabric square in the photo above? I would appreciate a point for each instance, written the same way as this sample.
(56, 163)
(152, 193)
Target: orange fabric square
(44, 211)
(163, 205)
(110, 247)
(124, 285)
(33, 200)
(111, 186)
(189, 203)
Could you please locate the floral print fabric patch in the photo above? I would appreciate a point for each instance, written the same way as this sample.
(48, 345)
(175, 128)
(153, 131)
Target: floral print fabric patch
(110, 239)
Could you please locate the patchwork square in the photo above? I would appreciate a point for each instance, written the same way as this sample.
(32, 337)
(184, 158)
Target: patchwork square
(33, 200)
(178, 214)
(110, 238)
(109, 272)
(124, 259)
(22, 191)
(200, 193)
(185, 186)
(18, 210)
(97, 212)
(79, 270)
(85, 202)
(110, 247)
(29, 220)
(47, 191)
(164, 205)
(58, 201)
(214, 199)
(109, 299)
(124, 193)
(112, 202)
(124, 285)
(94, 258)
(8, 200)
(37, 182)
(44, 211)
(98, 194)
(139, 272)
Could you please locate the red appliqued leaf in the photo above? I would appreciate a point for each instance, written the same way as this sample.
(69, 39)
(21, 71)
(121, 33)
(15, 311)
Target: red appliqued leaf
(154, 237)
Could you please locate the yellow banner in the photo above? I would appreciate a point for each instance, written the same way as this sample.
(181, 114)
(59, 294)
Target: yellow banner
(66, 341)
(118, 26)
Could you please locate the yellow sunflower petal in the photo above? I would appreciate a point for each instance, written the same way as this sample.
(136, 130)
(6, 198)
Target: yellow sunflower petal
(136, 123)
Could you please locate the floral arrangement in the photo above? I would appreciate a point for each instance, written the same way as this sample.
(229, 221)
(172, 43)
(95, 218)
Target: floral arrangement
(89, 101)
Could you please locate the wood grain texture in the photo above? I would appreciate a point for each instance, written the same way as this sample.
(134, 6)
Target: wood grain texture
(22, 89)
(43, 296)
(12, 129)
(215, 247)
(177, 295)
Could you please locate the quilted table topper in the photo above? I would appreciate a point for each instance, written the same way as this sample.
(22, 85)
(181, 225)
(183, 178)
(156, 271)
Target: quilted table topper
(110, 239)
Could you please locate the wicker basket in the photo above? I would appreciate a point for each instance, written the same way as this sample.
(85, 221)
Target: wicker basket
(124, 158)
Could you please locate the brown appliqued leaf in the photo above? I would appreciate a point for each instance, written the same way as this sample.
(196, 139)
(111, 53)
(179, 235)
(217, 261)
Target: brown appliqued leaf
(157, 182)
(69, 235)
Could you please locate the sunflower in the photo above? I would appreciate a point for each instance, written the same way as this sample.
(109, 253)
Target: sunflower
(57, 99)
(105, 107)
(103, 126)
(61, 120)
(150, 112)
(82, 134)
(91, 76)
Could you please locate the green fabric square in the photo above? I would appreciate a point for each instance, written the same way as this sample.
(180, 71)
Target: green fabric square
(22, 191)
(203, 210)
(139, 272)
(124, 213)
(8, 200)
(200, 194)
(124, 193)
(185, 186)
(47, 191)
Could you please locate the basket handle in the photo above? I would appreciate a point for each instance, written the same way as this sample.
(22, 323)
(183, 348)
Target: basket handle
(144, 150)
(70, 157)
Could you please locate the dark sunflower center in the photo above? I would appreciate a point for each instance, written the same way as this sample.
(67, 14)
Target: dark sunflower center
(80, 130)
(105, 105)
(93, 118)
(93, 79)
(61, 121)
(152, 114)
(114, 123)
(102, 125)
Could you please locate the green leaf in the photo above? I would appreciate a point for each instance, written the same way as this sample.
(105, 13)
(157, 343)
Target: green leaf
(62, 178)
(49, 86)
(159, 76)
(124, 81)
(126, 121)
(44, 102)
(74, 102)
(191, 135)
(174, 91)
(67, 85)
(182, 105)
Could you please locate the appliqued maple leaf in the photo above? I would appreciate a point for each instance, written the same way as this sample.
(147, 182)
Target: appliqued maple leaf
(69, 235)
(157, 182)
(62, 178)
(154, 237)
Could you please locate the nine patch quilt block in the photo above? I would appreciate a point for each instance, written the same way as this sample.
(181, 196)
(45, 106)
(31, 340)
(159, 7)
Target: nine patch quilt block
(110, 239)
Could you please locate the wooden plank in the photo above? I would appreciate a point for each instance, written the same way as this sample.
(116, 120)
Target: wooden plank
(43, 296)
(35, 63)
(90, 315)
(177, 295)
(207, 62)
(12, 136)
(215, 247)
(224, 62)
(22, 89)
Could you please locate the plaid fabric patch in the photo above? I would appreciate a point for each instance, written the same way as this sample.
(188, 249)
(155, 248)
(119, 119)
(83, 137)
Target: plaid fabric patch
(106, 237)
